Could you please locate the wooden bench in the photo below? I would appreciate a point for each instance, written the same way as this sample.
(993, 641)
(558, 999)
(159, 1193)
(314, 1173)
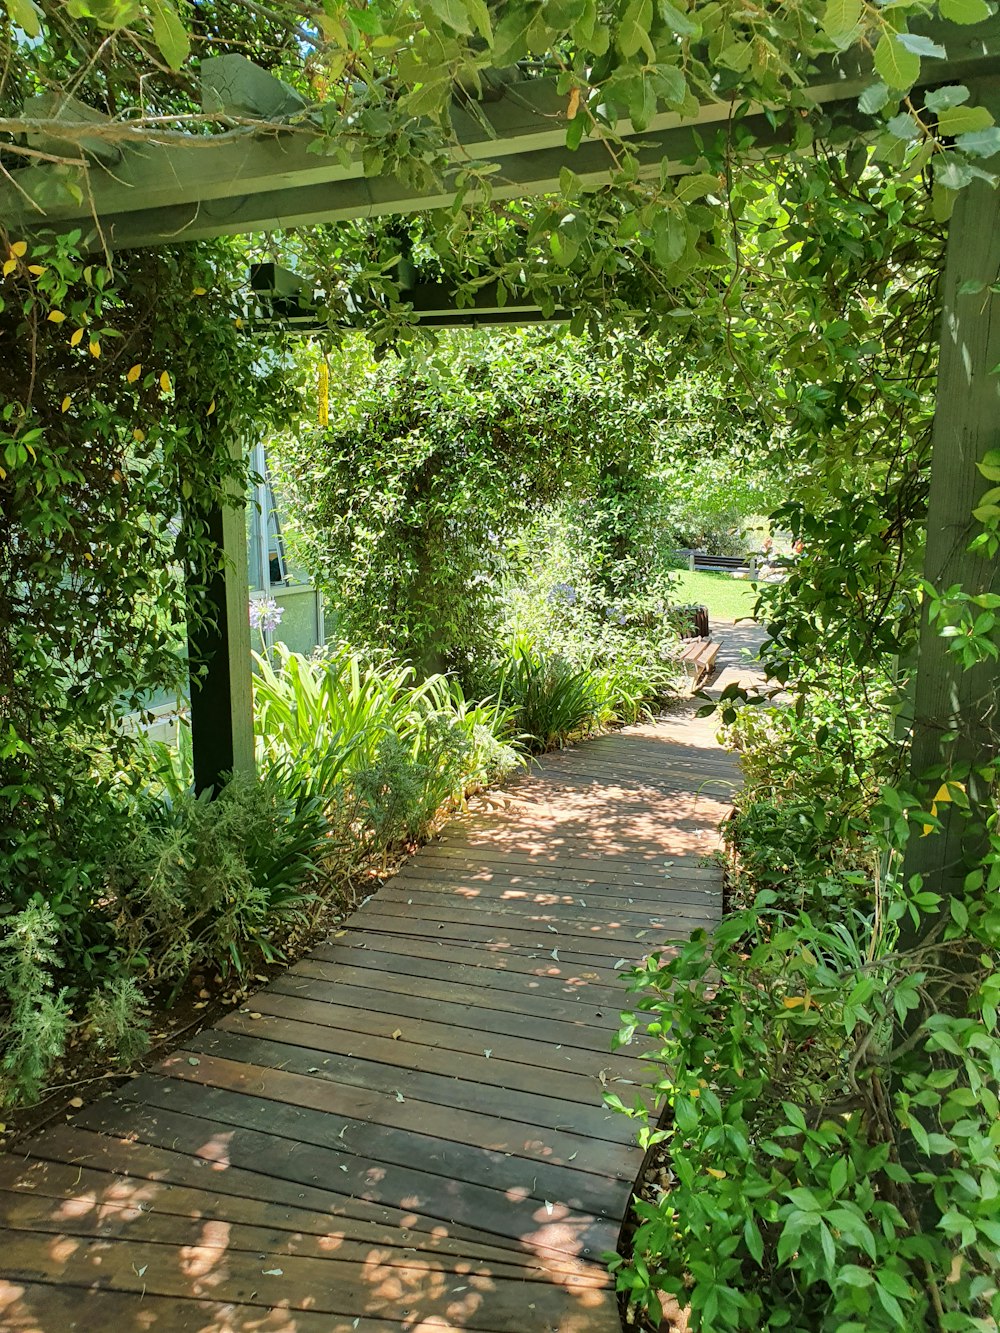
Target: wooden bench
(698, 658)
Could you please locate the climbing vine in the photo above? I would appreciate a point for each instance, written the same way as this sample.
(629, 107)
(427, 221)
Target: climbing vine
(114, 417)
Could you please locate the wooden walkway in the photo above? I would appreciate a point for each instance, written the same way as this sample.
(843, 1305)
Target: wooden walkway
(405, 1131)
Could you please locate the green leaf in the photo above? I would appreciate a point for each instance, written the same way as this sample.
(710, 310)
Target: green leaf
(455, 13)
(898, 67)
(921, 46)
(694, 186)
(952, 173)
(841, 17)
(26, 16)
(682, 24)
(903, 127)
(981, 143)
(873, 99)
(510, 42)
(952, 94)
(633, 31)
(963, 120)
(669, 238)
(170, 34)
(964, 11)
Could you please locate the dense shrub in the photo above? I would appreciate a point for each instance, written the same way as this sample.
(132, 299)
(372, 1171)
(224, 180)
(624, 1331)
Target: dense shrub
(831, 1141)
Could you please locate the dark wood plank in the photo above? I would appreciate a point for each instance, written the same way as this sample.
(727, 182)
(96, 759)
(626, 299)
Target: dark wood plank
(492, 1118)
(334, 1048)
(349, 1291)
(612, 943)
(512, 1212)
(488, 1011)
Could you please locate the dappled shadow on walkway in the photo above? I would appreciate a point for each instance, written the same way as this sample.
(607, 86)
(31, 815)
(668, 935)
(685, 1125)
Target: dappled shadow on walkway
(405, 1131)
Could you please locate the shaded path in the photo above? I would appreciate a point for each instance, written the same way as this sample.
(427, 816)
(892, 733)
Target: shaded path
(405, 1131)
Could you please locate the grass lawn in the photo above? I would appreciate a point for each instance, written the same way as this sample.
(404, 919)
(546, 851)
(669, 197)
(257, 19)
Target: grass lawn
(726, 598)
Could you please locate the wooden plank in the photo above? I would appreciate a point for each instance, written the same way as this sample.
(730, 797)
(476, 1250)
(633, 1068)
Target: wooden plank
(42, 1216)
(338, 1042)
(584, 1116)
(485, 1022)
(485, 961)
(553, 890)
(473, 967)
(519, 1218)
(566, 910)
(349, 1291)
(620, 943)
(43, 1307)
(567, 1018)
(204, 1165)
(492, 1119)
(68, 1200)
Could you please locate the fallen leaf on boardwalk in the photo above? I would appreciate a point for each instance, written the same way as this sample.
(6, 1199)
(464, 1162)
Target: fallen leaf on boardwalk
(622, 962)
(255, 1015)
(397, 1033)
(487, 1051)
(571, 1157)
(338, 933)
(548, 1207)
(400, 1097)
(76, 1101)
(192, 1060)
(139, 1271)
(553, 929)
(313, 1069)
(272, 1272)
(554, 954)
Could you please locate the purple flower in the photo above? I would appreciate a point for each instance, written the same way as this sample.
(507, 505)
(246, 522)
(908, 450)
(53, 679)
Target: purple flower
(562, 592)
(265, 614)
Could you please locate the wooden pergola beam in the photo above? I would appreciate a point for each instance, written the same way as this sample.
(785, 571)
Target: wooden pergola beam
(184, 186)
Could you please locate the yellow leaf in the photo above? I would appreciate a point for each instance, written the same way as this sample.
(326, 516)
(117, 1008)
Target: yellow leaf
(397, 1033)
(37, 269)
(717, 1175)
(9, 267)
(95, 349)
(134, 373)
(76, 1102)
(77, 338)
(138, 434)
(56, 316)
(200, 291)
(793, 1001)
(3, 475)
(66, 402)
(165, 382)
(211, 408)
(238, 322)
(19, 249)
(88, 557)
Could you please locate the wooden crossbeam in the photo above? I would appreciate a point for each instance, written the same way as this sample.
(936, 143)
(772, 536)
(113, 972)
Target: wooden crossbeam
(244, 180)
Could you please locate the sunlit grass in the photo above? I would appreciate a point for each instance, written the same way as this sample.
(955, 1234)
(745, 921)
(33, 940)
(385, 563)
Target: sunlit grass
(726, 598)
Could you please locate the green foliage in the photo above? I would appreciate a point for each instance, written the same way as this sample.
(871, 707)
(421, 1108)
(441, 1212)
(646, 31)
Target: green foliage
(380, 749)
(116, 1019)
(555, 700)
(35, 1013)
(201, 882)
(832, 1134)
(109, 419)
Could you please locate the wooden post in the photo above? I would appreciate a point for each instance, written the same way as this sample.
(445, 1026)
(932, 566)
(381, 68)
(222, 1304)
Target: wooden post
(219, 651)
(955, 708)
